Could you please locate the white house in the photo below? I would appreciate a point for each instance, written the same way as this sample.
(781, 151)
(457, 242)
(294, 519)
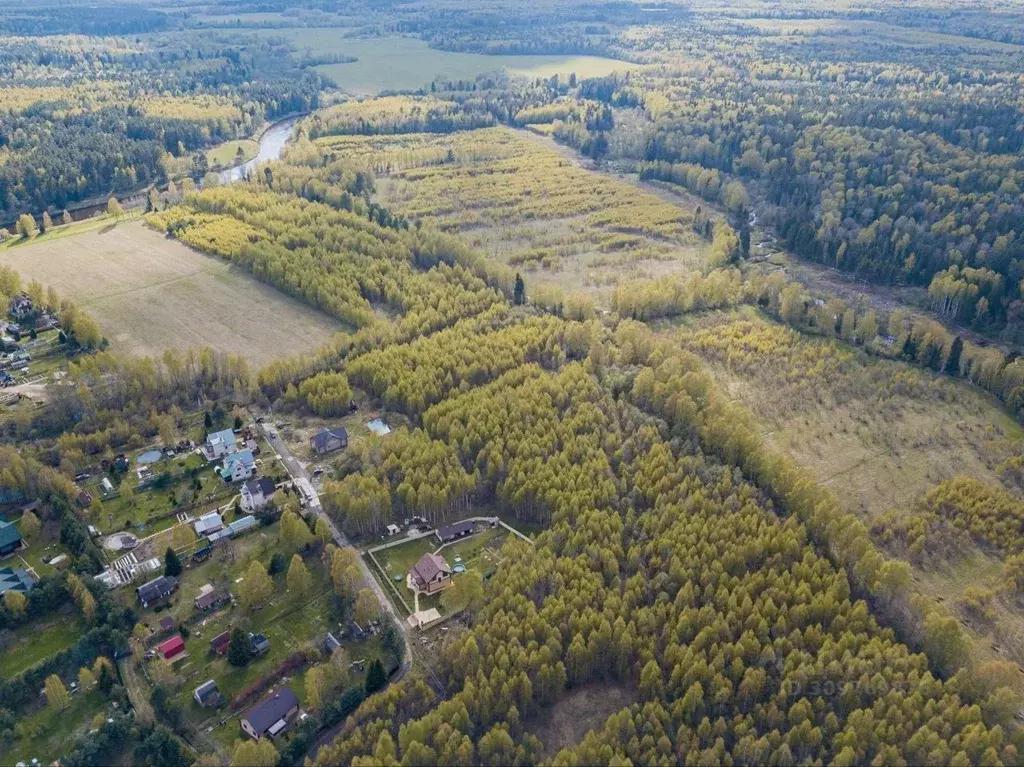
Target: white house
(256, 493)
(219, 444)
(238, 466)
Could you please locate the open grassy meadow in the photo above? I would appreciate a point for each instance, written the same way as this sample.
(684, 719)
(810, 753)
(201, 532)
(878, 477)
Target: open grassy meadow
(405, 63)
(879, 433)
(49, 732)
(150, 293)
(39, 639)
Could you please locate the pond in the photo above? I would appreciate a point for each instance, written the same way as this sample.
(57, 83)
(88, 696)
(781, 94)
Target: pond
(150, 456)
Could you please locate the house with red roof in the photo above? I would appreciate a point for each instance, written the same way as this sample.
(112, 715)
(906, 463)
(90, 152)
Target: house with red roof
(171, 648)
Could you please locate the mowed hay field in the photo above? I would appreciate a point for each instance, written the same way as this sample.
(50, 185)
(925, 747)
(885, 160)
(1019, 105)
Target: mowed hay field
(529, 206)
(150, 293)
(405, 63)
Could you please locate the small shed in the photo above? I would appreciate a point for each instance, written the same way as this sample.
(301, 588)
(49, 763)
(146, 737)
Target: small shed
(219, 644)
(106, 487)
(208, 695)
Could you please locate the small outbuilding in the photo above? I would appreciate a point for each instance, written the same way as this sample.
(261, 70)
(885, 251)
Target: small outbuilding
(450, 533)
(208, 695)
(330, 643)
(219, 644)
(106, 488)
(209, 523)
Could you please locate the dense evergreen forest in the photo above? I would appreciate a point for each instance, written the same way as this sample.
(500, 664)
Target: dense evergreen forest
(90, 117)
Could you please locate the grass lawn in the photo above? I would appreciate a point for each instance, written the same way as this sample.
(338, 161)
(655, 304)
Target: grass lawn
(472, 549)
(147, 506)
(54, 730)
(479, 552)
(40, 639)
(226, 154)
(529, 529)
(400, 559)
(38, 550)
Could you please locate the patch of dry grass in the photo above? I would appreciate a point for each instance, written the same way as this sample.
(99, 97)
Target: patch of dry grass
(149, 293)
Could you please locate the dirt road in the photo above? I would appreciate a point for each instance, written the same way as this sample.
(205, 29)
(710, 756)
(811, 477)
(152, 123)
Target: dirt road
(301, 477)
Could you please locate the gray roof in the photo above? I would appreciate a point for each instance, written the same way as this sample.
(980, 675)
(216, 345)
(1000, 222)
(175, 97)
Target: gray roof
(15, 579)
(321, 438)
(451, 531)
(225, 436)
(205, 689)
(264, 714)
(241, 525)
(208, 599)
(262, 486)
(156, 588)
(208, 522)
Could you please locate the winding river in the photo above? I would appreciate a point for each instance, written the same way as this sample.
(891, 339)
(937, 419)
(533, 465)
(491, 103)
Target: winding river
(272, 143)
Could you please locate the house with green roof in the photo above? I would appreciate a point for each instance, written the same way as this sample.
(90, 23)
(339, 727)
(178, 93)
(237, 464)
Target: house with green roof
(10, 539)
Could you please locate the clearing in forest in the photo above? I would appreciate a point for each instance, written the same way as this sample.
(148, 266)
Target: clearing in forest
(879, 432)
(405, 63)
(150, 293)
(584, 709)
(528, 206)
(883, 435)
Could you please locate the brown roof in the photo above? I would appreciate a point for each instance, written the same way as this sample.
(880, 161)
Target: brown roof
(429, 566)
(206, 600)
(220, 640)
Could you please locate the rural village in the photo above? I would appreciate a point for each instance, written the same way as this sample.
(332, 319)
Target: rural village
(471, 382)
(222, 546)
